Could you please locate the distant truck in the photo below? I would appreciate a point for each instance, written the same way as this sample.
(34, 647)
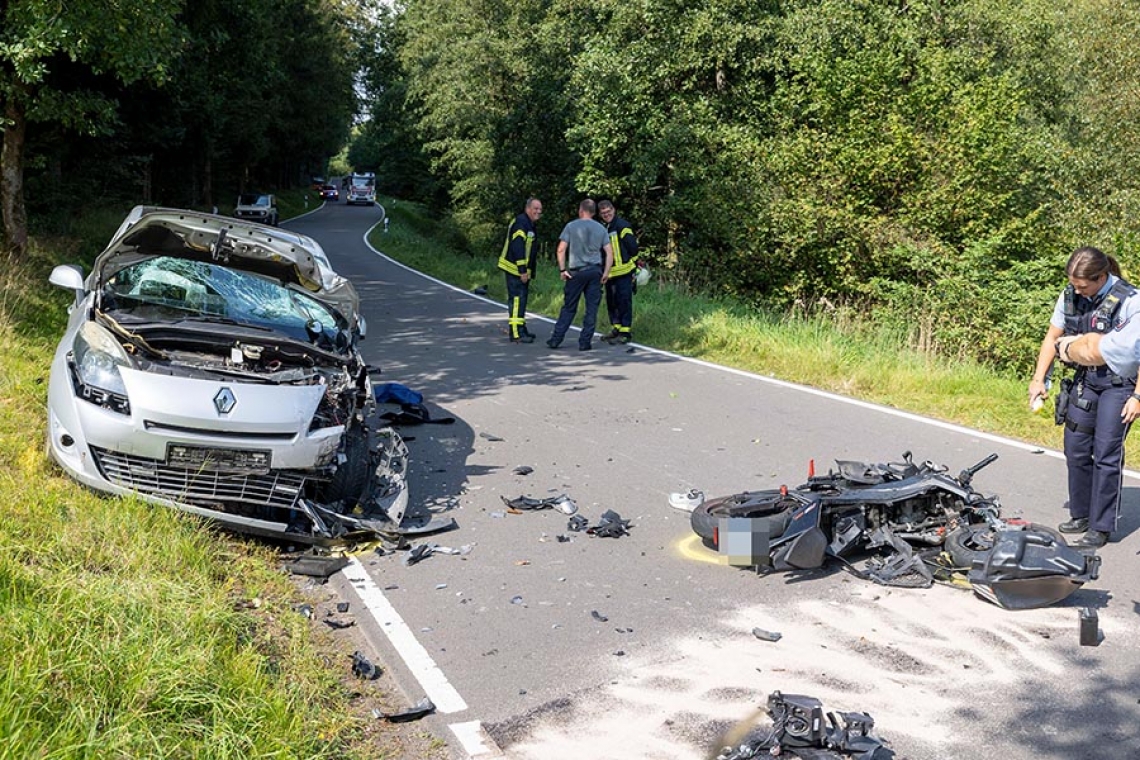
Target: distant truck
(361, 188)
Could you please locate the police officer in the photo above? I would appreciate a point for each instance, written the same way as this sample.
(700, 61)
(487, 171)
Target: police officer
(517, 261)
(1101, 402)
(620, 286)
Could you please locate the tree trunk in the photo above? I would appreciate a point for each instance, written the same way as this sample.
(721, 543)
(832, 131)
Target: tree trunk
(12, 211)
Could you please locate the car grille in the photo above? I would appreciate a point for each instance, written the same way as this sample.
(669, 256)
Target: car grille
(154, 477)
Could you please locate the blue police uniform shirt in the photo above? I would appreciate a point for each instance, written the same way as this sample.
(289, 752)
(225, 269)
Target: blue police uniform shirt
(1120, 347)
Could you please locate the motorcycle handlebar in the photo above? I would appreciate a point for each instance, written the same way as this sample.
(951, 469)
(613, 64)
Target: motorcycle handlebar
(968, 474)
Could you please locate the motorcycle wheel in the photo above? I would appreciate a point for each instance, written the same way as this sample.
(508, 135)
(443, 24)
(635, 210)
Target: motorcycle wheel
(970, 542)
(773, 509)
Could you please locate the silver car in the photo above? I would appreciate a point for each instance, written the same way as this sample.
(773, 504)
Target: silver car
(211, 365)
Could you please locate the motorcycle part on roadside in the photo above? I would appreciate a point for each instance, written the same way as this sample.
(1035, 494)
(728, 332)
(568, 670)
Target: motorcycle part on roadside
(798, 730)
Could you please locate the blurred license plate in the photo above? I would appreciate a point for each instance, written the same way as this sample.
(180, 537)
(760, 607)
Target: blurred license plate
(224, 460)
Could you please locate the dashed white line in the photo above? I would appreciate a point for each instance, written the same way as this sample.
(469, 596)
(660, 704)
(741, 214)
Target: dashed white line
(474, 740)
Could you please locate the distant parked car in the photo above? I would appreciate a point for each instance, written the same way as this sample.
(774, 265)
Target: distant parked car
(330, 193)
(255, 207)
(212, 366)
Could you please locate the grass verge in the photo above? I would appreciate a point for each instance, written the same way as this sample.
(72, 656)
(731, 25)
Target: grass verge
(856, 360)
(136, 631)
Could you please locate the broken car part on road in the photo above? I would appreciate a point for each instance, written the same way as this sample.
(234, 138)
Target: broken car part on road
(211, 364)
(562, 503)
(889, 509)
(798, 730)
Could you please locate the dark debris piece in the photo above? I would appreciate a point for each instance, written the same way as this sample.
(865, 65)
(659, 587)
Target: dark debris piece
(363, 668)
(419, 552)
(561, 502)
(523, 469)
(338, 625)
(577, 523)
(316, 566)
(598, 616)
(421, 709)
(342, 606)
(490, 437)
(763, 635)
(610, 525)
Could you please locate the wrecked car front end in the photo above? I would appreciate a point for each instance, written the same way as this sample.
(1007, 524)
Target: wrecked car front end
(212, 366)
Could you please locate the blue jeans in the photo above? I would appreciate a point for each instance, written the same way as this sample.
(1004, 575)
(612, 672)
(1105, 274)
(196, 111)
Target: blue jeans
(588, 281)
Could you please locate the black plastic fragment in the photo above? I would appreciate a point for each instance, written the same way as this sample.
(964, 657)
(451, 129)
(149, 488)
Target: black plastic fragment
(490, 437)
(523, 469)
(363, 668)
(338, 625)
(316, 566)
(610, 525)
(598, 616)
(421, 709)
(577, 523)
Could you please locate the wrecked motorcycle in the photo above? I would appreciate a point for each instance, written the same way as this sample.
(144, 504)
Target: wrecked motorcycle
(887, 510)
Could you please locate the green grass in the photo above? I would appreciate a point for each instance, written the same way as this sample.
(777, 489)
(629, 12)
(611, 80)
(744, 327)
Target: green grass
(130, 630)
(853, 359)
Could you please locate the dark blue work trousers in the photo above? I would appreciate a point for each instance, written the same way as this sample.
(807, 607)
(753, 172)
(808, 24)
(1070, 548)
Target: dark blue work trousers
(517, 293)
(619, 302)
(1094, 447)
(584, 281)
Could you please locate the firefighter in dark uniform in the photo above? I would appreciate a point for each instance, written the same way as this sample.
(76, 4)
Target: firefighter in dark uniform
(517, 261)
(620, 287)
(1097, 405)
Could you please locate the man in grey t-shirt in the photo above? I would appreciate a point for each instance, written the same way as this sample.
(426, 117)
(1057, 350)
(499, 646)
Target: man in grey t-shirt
(584, 261)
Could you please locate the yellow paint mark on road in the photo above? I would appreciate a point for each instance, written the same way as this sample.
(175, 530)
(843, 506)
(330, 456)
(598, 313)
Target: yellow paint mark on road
(692, 548)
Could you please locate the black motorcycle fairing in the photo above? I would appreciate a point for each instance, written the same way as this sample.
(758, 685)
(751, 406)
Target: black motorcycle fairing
(1030, 568)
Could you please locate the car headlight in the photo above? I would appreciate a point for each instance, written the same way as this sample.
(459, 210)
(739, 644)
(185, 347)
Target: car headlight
(98, 357)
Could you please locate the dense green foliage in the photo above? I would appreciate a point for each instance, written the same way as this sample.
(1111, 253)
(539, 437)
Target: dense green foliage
(176, 103)
(928, 163)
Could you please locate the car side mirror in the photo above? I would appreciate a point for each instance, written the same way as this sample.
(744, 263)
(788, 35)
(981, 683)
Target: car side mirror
(69, 276)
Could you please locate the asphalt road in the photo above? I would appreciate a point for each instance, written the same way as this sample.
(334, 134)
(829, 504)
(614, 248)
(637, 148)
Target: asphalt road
(504, 637)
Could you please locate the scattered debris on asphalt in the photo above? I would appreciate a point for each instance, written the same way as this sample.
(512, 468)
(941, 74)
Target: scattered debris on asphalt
(763, 635)
(421, 709)
(423, 551)
(598, 616)
(338, 625)
(342, 607)
(363, 668)
(561, 502)
(1089, 627)
(798, 730)
(577, 523)
(315, 566)
(523, 469)
(610, 525)
(493, 438)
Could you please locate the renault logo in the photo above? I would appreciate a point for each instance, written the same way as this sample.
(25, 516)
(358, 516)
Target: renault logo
(224, 401)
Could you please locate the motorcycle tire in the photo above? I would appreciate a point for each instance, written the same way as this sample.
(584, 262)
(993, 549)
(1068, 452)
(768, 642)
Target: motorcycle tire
(971, 542)
(774, 510)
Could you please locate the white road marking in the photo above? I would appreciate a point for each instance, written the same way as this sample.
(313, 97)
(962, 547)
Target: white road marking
(423, 667)
(474, 741)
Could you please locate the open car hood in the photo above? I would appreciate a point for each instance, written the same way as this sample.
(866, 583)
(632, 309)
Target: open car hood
(288, 257)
